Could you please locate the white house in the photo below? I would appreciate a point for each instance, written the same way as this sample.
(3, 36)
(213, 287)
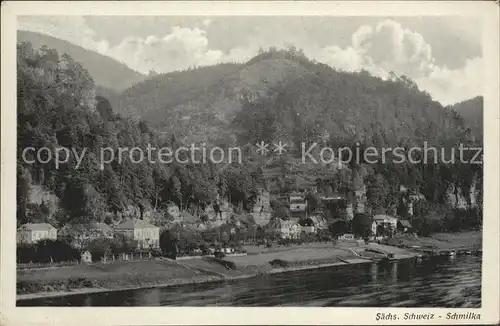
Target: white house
(387, 222)
(284, 229)
(298, 204)
(86, 257)
(34, 232)
(146, 235)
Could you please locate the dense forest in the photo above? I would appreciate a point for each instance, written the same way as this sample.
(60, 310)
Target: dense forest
(278, 95)
(472, 111)
(57, 107)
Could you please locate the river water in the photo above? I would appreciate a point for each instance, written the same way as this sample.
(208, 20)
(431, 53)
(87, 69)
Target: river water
(438, 282)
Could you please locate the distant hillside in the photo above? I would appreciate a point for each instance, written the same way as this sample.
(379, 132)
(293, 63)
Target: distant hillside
(203, 101)
(230, 103)
(105, 71)
(472, 111)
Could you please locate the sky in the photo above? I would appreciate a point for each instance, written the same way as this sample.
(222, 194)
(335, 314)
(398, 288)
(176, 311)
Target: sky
(442, 54)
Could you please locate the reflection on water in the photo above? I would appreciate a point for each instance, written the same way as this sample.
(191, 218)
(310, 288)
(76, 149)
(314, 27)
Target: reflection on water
(440, 282)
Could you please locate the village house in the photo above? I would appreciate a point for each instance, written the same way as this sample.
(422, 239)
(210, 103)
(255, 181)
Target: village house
(34, 232)
(388, 223)
(146, 235)
(309, 225)
(335, 206)
(308, 229)
(86, 257)
(297, 203)
(283, 229)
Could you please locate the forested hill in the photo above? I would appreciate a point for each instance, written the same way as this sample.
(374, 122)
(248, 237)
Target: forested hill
(57, 107)
(283, 90)
(472, 111)
(105, 71)
(278, 95)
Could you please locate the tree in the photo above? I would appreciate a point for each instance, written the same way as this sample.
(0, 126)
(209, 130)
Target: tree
(168, 244)
(361, 225)
(377, 192)
(281, 212)
(104, 108)
(225, 233)
(123, 244)
(313, 202)
(23, 189)
(99, 248)
(338, 228)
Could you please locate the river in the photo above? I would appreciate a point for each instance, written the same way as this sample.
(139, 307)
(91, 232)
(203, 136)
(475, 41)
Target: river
(438, 282)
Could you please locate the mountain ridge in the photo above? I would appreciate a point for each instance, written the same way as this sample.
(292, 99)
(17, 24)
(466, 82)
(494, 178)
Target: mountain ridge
(117, 76)
(206, 101)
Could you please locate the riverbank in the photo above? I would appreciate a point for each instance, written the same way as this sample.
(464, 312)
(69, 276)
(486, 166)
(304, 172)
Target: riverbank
(443, 241)
(119, 276)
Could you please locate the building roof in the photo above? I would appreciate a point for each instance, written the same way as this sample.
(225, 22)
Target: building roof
(135, 224)
(36, 227)
(405, 223)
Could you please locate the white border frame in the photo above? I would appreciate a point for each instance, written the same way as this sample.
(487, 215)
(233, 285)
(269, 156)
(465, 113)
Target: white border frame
(12, 315)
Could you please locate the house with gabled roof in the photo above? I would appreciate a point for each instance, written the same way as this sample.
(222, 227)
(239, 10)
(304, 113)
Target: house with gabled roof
(284, 229)
(146, 234)
(34, 232)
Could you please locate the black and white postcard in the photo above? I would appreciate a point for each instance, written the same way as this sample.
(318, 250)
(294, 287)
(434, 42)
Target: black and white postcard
(173, 156)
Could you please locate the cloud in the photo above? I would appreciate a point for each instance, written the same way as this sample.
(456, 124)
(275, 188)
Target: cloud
(388, 46)
(180, 49)
(449, 86)
(73, 29)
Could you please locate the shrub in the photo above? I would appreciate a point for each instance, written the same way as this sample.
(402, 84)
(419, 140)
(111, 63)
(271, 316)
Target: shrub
(219, 254)
(46, 251)
(279, 263)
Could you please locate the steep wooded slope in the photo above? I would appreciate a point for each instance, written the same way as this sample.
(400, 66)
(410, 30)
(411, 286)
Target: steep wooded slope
(472, 111)
(105, 71)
